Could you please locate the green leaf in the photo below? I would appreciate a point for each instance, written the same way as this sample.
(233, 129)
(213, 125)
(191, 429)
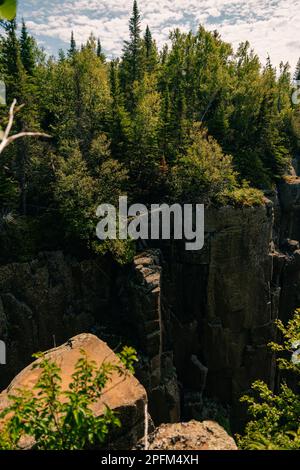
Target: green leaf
(8, 9)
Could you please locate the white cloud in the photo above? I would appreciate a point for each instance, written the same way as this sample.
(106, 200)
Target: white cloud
(270, 26)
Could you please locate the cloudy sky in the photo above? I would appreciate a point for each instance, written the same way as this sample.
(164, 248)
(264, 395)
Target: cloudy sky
(272, 27)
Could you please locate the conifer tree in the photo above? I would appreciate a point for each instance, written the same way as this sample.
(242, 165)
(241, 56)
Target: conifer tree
(134, 46)
(99, 51)
(12, 63)
(61, 55)
(121, 124)
(72, 48)
(151, 54)
(297, 71)
(132, 65)
(27, 50)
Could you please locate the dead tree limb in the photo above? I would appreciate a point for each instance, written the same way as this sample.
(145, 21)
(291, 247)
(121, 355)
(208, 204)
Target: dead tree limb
(7, 139)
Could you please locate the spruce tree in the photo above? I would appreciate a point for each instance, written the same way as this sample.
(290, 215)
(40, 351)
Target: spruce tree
(120, 125)
(12, 63)
(72, 48)
(131, 69)
(61, 55)
(99, 51)
(148, 42)
(134, 45)
(297, 71)
(27, 50)
(151, 54)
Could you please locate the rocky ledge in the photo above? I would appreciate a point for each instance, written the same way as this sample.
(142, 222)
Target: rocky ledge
(193, 435)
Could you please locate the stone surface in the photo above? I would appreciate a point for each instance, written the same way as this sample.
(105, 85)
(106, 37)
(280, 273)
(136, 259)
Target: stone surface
(219, 299)
(193, 435)
(200, 320)
(124, 395)
(50, 299)
(142, 304)
(289, 195)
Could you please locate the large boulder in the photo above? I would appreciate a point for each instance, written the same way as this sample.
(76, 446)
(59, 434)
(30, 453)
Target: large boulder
(124, 395)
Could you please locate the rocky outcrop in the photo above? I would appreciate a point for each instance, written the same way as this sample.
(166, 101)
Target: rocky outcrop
(193, 435)
(200, 320)
(141, 297)
(125, 395)
(289, 195)
(222, 304)
(288, 258)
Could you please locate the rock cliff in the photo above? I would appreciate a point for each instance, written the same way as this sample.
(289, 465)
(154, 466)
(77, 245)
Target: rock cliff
(200, 321)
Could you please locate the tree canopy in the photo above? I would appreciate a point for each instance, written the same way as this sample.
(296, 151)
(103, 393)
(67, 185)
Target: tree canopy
(194, 120)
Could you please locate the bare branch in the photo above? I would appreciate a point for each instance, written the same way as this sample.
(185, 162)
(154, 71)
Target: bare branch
(6, 140)
(10, 120)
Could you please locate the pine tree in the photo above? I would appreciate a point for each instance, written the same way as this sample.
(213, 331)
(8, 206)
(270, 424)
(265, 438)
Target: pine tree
(148, 42)
(20, 86)
(132, 65)
(151, 54)
(91, 43)
(72, 49)
(27, 50)
(99, 51)
(297, 71)
(135, 42)
(12, 63)
(165, 137)
(61, 55)
(121, 125)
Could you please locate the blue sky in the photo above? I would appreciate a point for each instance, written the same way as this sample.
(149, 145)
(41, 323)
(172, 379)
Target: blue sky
(272, 27)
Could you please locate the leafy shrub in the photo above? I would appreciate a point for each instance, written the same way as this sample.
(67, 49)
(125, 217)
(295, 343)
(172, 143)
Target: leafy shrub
(78, 192)
(276, 417)
(206, 172)
(63, 420)
(245, 196)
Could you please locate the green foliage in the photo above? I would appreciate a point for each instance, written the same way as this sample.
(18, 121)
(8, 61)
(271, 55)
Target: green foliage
(275, 423)
(60, 419)
(78, 192)
(27, 50)
(128, 357)
(194, 121)
(72, 49)
(132, 65)
(204, 170)
(206, 173)
(244, 196)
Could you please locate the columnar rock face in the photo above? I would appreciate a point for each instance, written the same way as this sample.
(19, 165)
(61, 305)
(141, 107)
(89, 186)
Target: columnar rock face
(222, 304)
(289, 195)
(124, 395)
(289, 257)
(50, 299)
(142, 302)
(200, 320)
